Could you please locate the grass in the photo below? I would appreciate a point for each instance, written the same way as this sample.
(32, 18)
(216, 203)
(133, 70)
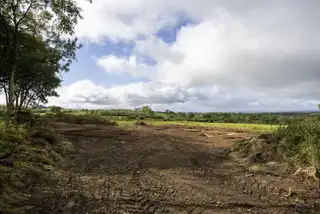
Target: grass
(256, 127)
(123, 121)
(247, 126)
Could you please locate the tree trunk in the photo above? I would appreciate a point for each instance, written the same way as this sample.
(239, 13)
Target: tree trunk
(17, 99)
(6, 94)
(13, 66)
(11, 94)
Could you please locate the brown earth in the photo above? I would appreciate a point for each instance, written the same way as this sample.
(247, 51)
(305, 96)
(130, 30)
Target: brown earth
(169, 169)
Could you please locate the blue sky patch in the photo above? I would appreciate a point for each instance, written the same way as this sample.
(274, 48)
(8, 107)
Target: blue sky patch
(86, 68)
(169, 34)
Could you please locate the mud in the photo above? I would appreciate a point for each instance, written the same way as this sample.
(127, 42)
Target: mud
(169, 169)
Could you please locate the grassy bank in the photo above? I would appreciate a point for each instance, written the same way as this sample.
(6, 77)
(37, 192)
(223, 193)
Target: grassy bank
(28, 157)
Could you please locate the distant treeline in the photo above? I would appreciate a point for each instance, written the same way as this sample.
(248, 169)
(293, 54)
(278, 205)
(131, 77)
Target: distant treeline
(220, 117)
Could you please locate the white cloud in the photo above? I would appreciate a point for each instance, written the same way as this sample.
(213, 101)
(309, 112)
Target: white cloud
(86, 94)
(256, 54)
(132, 65)
(124, 20)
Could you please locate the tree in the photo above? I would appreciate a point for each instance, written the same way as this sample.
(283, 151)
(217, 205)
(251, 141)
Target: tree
(147, 110)
(36, 74)
(55, 109)
(49, 20)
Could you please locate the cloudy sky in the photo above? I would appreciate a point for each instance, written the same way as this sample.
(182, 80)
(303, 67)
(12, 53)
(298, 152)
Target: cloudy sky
(196, 55)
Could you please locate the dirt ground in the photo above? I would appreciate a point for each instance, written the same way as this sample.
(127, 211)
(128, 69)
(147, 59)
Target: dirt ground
(170, 169)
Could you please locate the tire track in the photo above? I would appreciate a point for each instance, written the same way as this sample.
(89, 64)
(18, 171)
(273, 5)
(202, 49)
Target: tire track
(170, 175)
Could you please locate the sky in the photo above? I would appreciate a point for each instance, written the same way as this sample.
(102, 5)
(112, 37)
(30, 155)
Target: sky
(196, 55)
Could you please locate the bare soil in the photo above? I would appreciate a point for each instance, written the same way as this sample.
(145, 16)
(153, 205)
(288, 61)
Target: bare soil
(169, 169)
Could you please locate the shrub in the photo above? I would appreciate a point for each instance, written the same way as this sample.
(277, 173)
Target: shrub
(296, 142)
(55, 109)
(11, 133)
(302, 140)
(27, 118)
(82, 119)
(141, 117)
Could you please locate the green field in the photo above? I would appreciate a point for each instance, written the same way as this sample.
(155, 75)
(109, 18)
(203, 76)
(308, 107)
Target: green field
(257, 127)
(122, 120)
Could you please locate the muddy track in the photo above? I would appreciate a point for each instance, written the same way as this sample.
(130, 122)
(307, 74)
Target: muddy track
(169, 170)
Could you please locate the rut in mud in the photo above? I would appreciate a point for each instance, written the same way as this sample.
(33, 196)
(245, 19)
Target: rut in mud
(169, 169)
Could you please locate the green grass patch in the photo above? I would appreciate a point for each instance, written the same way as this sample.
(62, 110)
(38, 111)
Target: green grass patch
(257, 127)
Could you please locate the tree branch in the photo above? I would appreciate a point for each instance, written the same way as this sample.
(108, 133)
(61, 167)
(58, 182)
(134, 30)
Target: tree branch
(25, 14)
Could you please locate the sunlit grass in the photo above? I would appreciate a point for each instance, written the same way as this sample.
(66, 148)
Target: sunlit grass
(248, 126)
(257, 127)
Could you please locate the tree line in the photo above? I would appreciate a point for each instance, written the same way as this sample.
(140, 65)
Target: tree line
(146, 112)
(37, 44)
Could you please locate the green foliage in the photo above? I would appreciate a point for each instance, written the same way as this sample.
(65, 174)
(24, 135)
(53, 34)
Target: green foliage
(12, 133)
(301, 139)
(215, 117)
(55, 109)
(11, 139)
(297, 141)
(27, 118)
(33, 49)
(81, 119)
(147, 110)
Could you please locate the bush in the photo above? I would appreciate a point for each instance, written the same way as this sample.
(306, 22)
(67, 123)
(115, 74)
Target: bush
(297, 142)
(55, 109)
(27, 118)
(82, 119)
(302, 140)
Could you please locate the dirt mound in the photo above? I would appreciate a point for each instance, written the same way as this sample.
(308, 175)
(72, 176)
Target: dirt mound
(141, 123)
(261, 149)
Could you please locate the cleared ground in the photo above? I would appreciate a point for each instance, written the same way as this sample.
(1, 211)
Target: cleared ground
(169, 169)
